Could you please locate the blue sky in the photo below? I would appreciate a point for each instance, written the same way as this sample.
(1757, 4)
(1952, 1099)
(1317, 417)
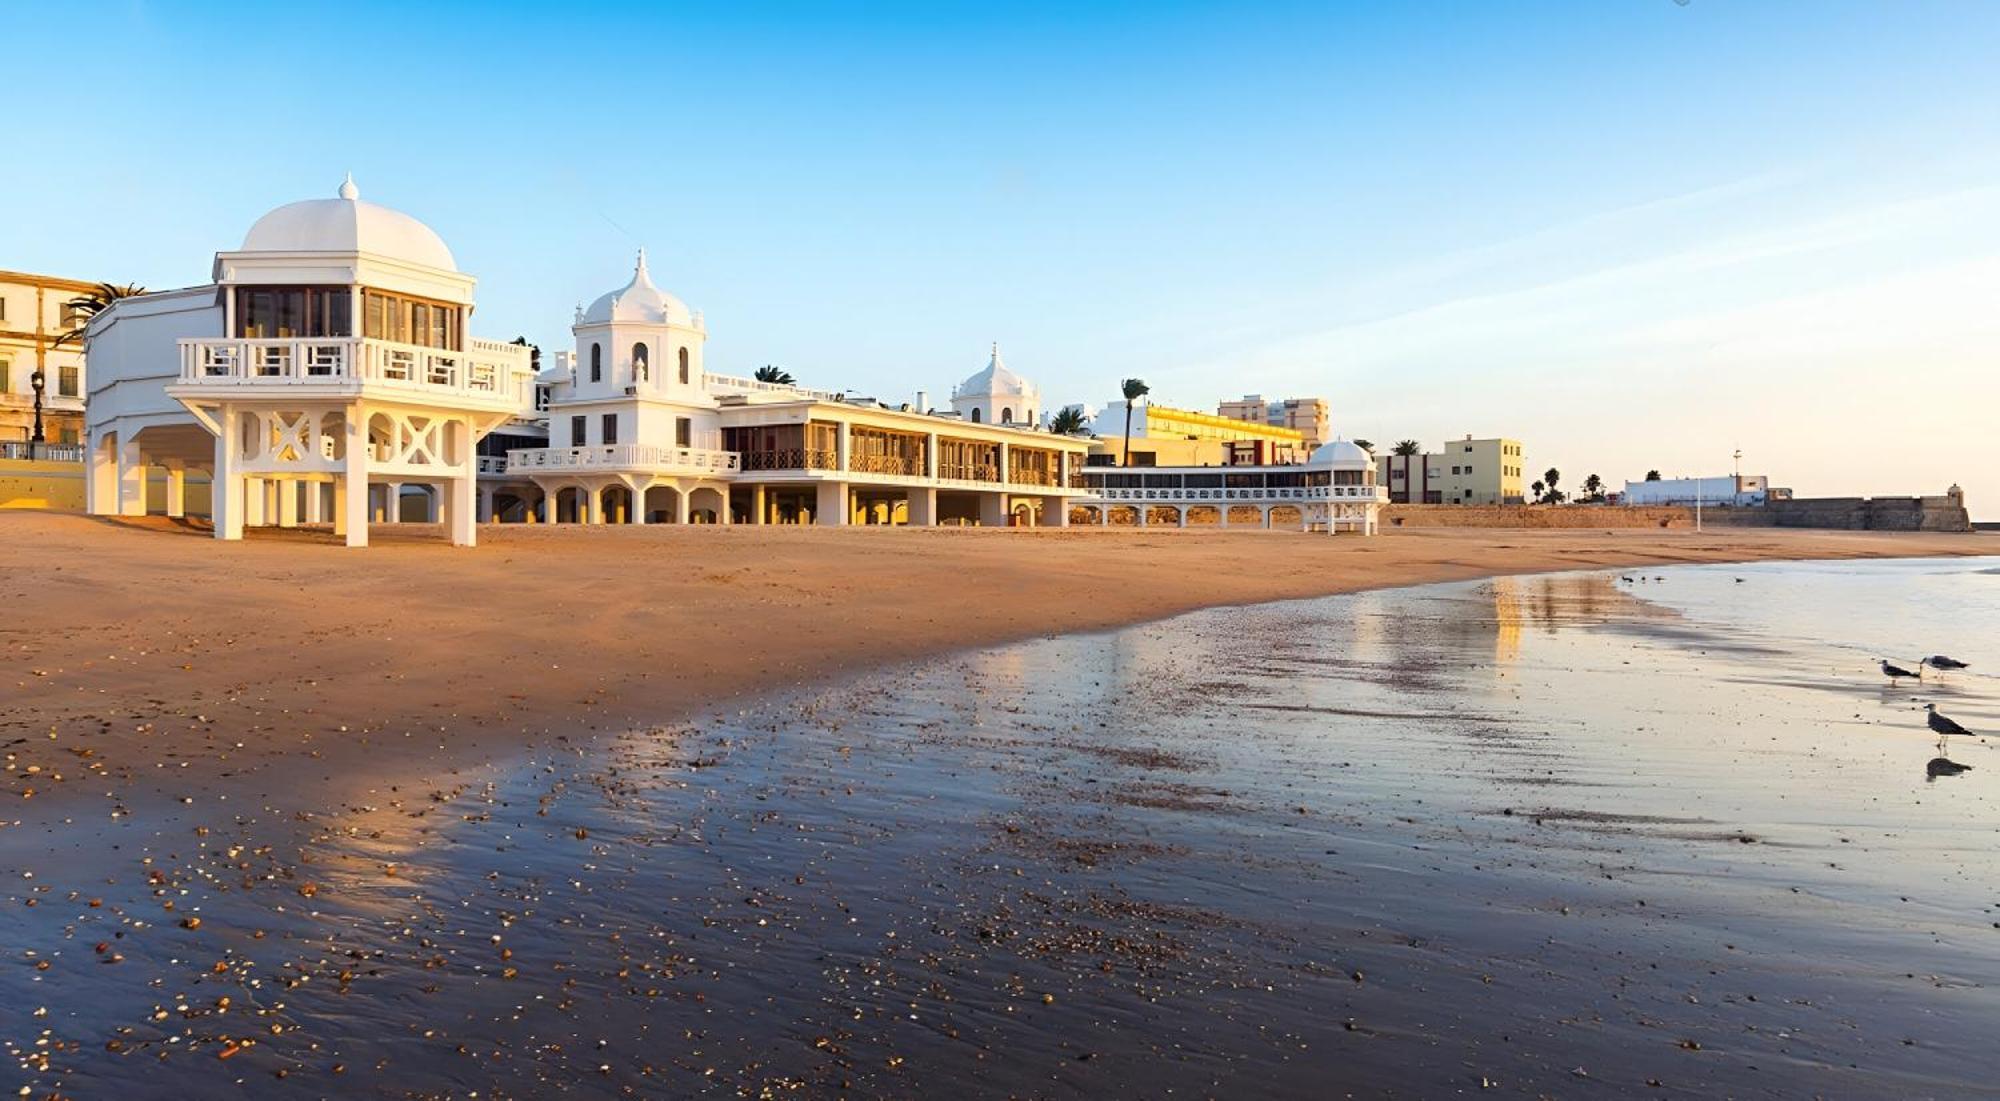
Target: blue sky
(1633, 233)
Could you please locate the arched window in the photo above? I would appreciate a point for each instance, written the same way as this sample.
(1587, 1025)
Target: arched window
(1007, 416)
(597, 363)
(684, 364)
(975, 414)
(639, 362)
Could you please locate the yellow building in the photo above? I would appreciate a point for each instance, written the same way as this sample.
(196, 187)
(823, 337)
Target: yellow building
(1462, 472)
(1165, 436)
(34, 312)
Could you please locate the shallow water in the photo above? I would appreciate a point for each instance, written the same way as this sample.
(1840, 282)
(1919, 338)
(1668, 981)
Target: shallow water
(1574, 834)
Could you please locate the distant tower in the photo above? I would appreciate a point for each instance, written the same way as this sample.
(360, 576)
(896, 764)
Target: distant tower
(997, 395)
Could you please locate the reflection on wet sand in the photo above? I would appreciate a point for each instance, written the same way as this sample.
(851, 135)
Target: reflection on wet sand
(1524, 835)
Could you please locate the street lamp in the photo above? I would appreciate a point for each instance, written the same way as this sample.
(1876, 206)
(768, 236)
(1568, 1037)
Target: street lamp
(40, 382)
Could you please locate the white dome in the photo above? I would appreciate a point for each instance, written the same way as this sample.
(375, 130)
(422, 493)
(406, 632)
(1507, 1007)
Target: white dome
(638, 301)
(997, 380)
(1340, 451)
(346, 224)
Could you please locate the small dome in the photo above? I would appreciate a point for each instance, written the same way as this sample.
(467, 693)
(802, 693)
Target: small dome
(1340, 451)
(997, 380)
(346, 224)
(638, 301)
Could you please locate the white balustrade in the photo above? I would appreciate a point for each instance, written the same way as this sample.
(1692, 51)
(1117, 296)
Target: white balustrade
(623, 456)
(489, 369)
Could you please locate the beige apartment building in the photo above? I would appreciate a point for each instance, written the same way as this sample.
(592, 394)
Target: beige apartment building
(1309, 417)
(34, 311)
(1462, 472)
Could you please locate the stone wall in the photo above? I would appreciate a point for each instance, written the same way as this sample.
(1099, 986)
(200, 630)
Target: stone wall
(1873, 513)
(1563, 516)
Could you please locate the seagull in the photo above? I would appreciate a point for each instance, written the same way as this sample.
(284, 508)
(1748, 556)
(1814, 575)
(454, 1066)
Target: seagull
(1939, 661)
(1897, 672)
(1944, 726)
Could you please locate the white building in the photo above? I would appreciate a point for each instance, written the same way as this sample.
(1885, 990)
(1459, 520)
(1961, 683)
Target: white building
(641, 432)
(997, 395)
(1746, 490)
(1333, 491)
(327, 364)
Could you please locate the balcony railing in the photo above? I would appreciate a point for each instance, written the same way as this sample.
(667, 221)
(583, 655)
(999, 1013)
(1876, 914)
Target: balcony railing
(488, 370)
(732, 384)
(791, 458)
(51, 452)
(1378, 494)
(623, 456)
(491, 464)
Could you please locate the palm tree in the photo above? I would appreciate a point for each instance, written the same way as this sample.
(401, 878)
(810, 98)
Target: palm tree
(1133, 389)
(88, 305)
(1552, 476)
(1365, 445)
(1068, 421)
(1652, 475)
(1408, 447)
(1593, 488)
(534, 354)
(1537, 487)
(779, 375)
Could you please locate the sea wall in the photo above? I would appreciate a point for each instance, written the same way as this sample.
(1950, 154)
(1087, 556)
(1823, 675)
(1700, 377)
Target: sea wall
(1942, 513)
(1562, 516)
(41, 483)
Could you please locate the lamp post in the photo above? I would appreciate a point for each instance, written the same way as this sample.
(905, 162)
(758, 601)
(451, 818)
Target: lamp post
(39, 382)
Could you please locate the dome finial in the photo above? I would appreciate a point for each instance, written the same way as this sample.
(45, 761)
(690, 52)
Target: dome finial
(347, 189)
(641, 269)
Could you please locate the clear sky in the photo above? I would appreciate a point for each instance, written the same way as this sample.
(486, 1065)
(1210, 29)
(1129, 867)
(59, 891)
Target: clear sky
(1633, 233)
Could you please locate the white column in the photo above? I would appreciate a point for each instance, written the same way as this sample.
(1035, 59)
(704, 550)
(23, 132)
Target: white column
(225, 486)
(461, 493)
(1222, 513)
(315, 502)
(288, 502)
(682, 507)
(723, 517)
(831, 509)
(485, 504)
(392, 503)
(923, 507)
(354, 480)
(638, 505)
(931, 455)
(842, 459)
(1139, 510)
(131, 476)
(1055, 512)
(101, 484)
(1005, 474)
(176, 490)
(1104, 516)
(255, 499)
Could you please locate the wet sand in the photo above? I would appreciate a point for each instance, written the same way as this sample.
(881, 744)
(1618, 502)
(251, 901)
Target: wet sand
(285, 659)
(1253, 849)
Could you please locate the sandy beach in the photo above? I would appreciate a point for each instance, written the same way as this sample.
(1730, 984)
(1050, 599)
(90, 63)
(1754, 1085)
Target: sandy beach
(795, 812)
(289, 653)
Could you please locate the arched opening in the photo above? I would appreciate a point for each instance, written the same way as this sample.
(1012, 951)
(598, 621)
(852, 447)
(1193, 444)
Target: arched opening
(1123, 516)
(617, 504)
(1163, 515)
(1246, 516)
(597, 363)
(568, 507)
(1288, 516)
(1204, 516)
(684, 365)
(663, 505)
(705, 506)
(639, 361)
(1007, 415)
(975, 414)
